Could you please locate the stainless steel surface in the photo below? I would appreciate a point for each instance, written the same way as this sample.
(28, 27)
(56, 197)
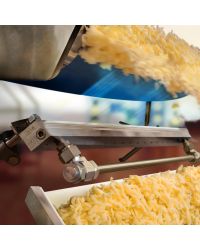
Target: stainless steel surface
(87, 129)
(141, 164)
(80, 169)
(67, 152)
(75, 46)
(32, 52)
(41, 208)
(34, 135)
(107, 135)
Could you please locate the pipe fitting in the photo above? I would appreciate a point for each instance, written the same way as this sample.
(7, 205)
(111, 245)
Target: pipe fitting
(80, 169)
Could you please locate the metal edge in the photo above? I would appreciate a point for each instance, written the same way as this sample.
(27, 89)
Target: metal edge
(92, 129)
(71, 50)
(41, 208)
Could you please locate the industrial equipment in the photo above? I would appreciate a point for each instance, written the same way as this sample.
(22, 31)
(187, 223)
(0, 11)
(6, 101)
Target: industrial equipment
(29, 45)
(67, 138)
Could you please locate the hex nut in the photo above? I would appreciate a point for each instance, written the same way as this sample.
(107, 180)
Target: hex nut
(69, 153)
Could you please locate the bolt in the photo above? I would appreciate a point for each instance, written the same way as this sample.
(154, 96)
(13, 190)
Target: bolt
(13, 160)
(71, 173)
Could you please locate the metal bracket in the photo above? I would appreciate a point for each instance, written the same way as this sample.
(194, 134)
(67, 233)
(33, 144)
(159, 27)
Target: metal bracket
(77, 168)
(31, 131)
(34, 134)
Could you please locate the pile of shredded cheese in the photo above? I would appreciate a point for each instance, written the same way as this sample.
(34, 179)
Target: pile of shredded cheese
(145, 51)
(165, 198)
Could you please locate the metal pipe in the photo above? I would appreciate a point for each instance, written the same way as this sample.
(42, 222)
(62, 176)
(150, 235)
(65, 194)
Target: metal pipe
(13, 141)
(142, 164)
(147, 113)
(129, 154)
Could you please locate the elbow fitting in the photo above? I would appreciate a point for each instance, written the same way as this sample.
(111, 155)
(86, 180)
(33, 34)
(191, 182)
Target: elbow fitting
(80, 169)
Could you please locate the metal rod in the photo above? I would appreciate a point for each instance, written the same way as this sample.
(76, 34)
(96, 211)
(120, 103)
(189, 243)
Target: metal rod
(13, 141)
(129, 154)
(147, 113)
(142, 164)
(123, 123)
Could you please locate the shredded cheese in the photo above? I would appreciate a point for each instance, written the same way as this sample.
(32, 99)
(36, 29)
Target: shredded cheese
(165, 198)
(145, 51)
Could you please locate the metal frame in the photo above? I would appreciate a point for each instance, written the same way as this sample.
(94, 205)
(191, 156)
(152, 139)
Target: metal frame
(107, 135)
(64, 137)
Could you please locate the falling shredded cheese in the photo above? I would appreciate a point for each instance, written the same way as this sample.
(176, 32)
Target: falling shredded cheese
(164, 198)
(145, 51)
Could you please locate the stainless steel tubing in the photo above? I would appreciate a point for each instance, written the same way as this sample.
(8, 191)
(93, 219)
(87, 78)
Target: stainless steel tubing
(142, 164)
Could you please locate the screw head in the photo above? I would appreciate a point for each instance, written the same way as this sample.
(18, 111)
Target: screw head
(41, 134)
(13, 160)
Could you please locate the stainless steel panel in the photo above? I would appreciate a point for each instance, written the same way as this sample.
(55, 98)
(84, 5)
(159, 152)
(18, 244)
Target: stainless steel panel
(107, 130)
(32, 52)
(107, 135)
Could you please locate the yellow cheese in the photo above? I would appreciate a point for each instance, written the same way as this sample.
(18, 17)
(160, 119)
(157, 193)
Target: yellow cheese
(145, 51)
(165, 198)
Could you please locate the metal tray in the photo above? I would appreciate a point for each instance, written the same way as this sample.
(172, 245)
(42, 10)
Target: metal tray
(43, 205)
